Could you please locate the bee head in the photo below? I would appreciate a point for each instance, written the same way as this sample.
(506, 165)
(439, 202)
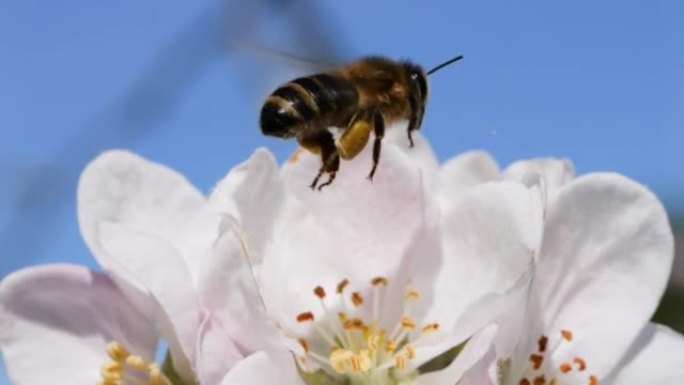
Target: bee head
(418, 80)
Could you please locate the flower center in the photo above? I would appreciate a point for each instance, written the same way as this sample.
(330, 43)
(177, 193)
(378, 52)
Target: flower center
(124, 368)
(350, 346)
(541, 371)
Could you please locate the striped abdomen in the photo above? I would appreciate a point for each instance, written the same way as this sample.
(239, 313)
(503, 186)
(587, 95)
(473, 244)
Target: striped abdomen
(316, 101)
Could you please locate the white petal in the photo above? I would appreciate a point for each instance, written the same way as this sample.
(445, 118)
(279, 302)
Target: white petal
(353, 229)
(465, 171)
(604, 264)
(121, 187)
(159, 268)
(252, 193)
(57, 320)
(490, 238)
(474, 351)
(555, 172)
(264, 368)
(656, 357)
(228, 290)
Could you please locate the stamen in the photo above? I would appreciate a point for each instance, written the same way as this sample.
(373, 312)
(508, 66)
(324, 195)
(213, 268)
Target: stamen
(410, 351)
(412, 294)
(136, 362)
(304, 344)
(524, 381)
(379, 281)
(431, 327)
(320, 293)
(400, 362)
(357, 299)
(593, 380)
(407, 323)
(581, 365)
(539, 380)
(567, 335)
(342, 285)
(117, 351)
(127, 369)
(565, 367)
(536, 360)
(305, 317)
(543, 341)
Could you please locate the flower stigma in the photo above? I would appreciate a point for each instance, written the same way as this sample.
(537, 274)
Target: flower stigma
(541, 371)
(124, 368)
(347, 347)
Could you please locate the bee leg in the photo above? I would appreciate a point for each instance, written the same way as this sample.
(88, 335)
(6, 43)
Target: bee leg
(415, 119)
(379, 131)
(323, 143)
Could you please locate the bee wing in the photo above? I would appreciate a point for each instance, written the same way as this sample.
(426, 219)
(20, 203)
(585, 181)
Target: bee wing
(304, 63)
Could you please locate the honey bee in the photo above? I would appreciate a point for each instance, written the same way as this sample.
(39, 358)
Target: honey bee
(359, 97)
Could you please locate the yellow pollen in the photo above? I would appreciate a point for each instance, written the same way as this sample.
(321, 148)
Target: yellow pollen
(116, 351)
(390, 346)
(373, 341)
(407, 323)
(357, 299)
(342, 285)
(125, 368)
(432, 327)
(400, 362)
(342, 316)
(320, 292)
(379, 281)
(410, 351)
(136, 362)
(344, 361)
(412, 294)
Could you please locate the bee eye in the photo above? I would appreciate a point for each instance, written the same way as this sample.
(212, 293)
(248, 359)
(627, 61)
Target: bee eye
(414, 76)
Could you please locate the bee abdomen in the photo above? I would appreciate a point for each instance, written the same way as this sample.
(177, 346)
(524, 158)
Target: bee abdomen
(315, 100)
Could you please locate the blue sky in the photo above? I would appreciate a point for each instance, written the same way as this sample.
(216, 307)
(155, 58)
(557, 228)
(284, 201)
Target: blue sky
(598, 83)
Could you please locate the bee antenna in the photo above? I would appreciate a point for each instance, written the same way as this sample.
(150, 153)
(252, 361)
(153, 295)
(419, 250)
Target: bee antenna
(446, 63)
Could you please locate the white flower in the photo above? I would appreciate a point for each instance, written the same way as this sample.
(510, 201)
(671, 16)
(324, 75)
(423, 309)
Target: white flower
(604, 263)
(364, 280)
(64, 324)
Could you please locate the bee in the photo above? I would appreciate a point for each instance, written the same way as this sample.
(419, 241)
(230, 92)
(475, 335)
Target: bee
(360, 97)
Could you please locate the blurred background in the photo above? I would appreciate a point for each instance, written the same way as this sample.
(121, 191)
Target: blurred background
(182, 83)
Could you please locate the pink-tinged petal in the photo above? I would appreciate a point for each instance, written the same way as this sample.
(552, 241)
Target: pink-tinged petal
(121, 187)
(656, 357)
(159, 268)
(420, 154)
(216, 351)
(253, 193)
(475, 351)
(57, 320)
(555, 172)
(490, 239)
(228, 290)
(604, 264)
(354, 228)
(264, 368)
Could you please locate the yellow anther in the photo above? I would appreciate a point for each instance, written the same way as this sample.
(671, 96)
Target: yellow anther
(400, 362)
(412, 294)
(373, 341)
(338, 359)
(410, 351)
(136, 362)
(111, 371)
(342, 316)
(116, 351)
(432, 327)
(408, 323)
(390, 346)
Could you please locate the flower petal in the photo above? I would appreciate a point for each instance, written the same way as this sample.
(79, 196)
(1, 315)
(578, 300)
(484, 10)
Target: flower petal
(474, 351)
(467, 170)
(216, 352)
(253, 194)
(121, 187)
(159, 268)
(353, 229)
(656, 357)
(604, 264)
(57, 321)
(555, 172)
(490, 238)
(264, 368)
